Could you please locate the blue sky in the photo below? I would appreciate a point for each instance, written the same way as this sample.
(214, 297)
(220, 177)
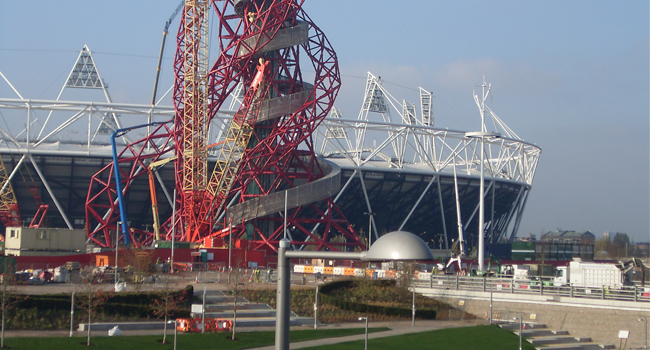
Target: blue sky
(570, 76)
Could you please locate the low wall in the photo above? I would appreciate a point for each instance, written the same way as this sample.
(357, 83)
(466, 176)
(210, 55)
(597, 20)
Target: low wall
(599, 322)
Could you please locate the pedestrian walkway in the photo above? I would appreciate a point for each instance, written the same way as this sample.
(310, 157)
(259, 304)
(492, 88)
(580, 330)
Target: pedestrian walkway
(396, 328)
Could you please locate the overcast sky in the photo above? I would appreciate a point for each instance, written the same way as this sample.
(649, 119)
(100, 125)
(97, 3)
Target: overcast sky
(570, 76)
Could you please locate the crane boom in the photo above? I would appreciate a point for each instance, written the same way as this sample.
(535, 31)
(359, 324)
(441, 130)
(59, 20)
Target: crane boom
(162, 49)
(238, 137)
(152, 191)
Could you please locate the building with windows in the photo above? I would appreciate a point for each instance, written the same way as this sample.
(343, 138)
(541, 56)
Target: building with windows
(21, 241)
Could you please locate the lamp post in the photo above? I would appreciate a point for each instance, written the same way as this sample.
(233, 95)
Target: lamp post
(117, 242)
(175, 330)
(520, 318)
(481, 204)
(398, 245)
(72, 313)
(366, 319)
(316, 308)
(370, 216)
(645, 320)
(413, 309)
(171, 259)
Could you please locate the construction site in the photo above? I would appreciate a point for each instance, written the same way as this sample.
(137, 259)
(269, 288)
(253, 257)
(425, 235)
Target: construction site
(246, 158)
(251, 152)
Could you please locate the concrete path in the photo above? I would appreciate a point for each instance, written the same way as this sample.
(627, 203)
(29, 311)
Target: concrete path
(396, 328)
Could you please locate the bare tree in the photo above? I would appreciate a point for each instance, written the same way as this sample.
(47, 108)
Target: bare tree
(235, 287)
(10, 296)
(90, 297)
(168, 300)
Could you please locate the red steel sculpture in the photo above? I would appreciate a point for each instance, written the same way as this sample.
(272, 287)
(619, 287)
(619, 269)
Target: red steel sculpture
(266, 160)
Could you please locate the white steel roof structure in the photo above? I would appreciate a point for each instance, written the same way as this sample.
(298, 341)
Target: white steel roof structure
(387, 153)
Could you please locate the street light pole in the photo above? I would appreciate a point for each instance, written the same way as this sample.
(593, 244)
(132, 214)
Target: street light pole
(72, 313)
(645, 320)
(520, 330)
(171, 259)
(370, 216)
(481, 211)
(282, 302)
(316, 308)
(413, 309)
(203, 311)
(175, 331)
(117, 242)
(398, 245)
(366, 319)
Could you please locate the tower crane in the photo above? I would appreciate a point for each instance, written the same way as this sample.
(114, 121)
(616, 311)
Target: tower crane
(9, 212)
(162, 49)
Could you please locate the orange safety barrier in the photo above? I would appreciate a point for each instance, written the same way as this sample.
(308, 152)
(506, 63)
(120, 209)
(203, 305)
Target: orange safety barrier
(328, 270)
(309, 269)
(217, 325)
(369, 272)
(194, 325)
(348, 271)
(187, 325)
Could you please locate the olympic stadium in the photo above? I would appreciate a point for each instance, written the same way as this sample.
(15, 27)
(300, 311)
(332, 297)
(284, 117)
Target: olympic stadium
(391, 168)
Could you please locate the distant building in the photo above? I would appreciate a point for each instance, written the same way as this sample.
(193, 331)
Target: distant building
(569, 237)
(555, 245)
(22, 241)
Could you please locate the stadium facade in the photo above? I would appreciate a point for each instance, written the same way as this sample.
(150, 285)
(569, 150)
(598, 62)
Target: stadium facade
(398, 169)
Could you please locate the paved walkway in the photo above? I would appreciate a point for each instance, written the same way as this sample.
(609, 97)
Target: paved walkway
(396, 328)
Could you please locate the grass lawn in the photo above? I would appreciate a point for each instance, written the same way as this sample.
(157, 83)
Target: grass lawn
(244, 340)
(466, 338)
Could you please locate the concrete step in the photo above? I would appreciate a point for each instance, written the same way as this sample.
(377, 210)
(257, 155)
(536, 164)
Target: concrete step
(240, 314)
(229, 306)
(527, 333)
(557, 340)
(198, 292)
(270, 321)
(241, 322)
(221, 299)
(196, 308)
(598, 347)
(131, 326)
(581, 346)
(515, 326)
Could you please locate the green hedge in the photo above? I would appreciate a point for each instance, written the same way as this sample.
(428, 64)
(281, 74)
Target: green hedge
(124, 304)
(52, 311)
(325, 298)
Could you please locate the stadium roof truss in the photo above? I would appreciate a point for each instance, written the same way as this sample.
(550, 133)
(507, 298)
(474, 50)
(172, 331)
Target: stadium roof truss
(404, 143)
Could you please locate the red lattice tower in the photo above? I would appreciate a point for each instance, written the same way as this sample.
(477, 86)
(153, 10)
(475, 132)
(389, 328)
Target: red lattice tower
(278, 158)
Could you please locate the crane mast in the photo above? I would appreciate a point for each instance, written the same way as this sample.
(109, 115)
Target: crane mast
(194, 120)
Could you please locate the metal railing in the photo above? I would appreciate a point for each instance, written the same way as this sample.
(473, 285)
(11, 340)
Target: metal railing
(514, 286)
